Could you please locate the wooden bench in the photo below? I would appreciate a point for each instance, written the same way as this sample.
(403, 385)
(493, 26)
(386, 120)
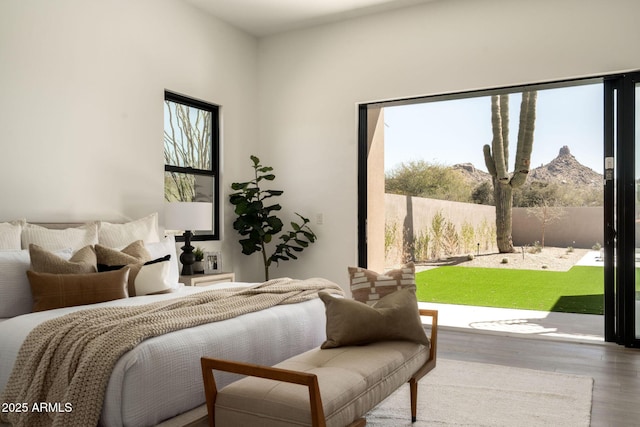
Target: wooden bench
(343, 384)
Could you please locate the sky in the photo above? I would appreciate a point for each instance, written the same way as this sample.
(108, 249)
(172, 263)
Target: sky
(451, 132)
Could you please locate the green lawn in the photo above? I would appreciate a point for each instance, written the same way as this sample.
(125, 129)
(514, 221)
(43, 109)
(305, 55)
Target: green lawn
(579, 290)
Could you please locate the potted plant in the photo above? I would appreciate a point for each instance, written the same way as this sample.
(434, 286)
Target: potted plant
(258, 224)
(198, 266)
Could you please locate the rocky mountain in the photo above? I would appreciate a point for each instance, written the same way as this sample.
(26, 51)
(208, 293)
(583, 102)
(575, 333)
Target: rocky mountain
(563, 169)
(472, 175)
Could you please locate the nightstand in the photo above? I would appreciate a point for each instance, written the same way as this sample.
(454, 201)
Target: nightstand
(207, 279)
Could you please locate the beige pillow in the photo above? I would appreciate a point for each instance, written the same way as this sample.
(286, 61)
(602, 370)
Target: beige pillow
(134, 253)
(368, 286)
(117, 235)
(43, 261)
(10, 233)
(54, 239)
(394, 317)
(133, 256)
(68, 290)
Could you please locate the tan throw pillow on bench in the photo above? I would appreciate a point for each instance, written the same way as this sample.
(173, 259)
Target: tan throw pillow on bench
(394, 317)
(368, 286)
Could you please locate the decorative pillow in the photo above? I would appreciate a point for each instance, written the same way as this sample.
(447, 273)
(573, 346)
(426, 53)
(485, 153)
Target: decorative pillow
(43, 261)
(133, 256)
(394, 317)
(368, 286)
(167, 246)
(10, 233)
(54, 240)
(134, 252)
(68, 290)
(154, 277)
(151, 278)
(118, 235)
(15, 294)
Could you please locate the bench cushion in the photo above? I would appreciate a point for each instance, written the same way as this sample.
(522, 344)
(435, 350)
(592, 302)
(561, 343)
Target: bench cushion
(352, 381)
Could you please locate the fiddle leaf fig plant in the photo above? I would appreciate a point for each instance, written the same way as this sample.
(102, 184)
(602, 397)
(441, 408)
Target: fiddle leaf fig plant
(258, 224)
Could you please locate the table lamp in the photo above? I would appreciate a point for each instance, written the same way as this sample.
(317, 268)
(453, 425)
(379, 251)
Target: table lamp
(188, 216)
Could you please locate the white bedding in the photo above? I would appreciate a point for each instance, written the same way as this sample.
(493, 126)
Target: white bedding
(161, 377)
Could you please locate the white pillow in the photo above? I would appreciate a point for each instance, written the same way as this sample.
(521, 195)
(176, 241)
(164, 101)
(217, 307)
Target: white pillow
(10, 233)
(166, 246)
(119, 235)
(153, 278)
(15, 291)
(54, 240)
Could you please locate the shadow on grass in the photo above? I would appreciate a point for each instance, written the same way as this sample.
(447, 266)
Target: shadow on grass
(583, 304)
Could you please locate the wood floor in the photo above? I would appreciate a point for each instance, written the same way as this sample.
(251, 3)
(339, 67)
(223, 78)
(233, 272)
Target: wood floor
(615, 369)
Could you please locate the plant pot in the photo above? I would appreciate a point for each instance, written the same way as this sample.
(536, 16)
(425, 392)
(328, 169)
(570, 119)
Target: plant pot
(198, 267)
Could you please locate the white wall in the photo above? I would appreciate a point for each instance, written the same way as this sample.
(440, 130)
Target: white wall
(312, 80)
(81, 107)
(82, 82)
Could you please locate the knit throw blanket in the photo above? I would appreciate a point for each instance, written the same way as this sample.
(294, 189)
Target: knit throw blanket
(68, 360)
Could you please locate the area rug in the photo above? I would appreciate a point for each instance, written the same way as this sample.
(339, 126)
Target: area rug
(459, 393)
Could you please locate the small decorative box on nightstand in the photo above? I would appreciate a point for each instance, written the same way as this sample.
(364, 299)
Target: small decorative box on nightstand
(207, 279)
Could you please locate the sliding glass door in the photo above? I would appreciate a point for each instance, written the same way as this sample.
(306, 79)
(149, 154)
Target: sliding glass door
(621, 162)
(622, 209)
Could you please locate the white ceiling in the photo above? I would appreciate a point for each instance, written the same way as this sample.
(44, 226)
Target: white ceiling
(266, 17)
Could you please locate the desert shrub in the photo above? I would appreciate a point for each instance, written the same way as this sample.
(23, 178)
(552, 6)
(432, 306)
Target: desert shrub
(390, 236)
(536, 248)
(451, 239)
(486, 234)
(468, 236)
(408, 246)
(424, 179)
(437, 234)
(421, 245)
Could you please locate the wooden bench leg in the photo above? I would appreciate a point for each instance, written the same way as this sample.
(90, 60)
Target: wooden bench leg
(413, 386)
(360, 422)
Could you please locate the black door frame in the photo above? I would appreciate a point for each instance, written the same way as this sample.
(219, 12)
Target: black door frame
(620, 210)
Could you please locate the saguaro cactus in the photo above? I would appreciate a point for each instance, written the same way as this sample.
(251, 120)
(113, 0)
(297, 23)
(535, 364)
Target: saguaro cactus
(496, 158)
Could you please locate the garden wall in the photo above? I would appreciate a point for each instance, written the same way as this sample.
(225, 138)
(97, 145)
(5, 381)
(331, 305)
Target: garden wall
(579, 227)
(409, 228)
(408, 219)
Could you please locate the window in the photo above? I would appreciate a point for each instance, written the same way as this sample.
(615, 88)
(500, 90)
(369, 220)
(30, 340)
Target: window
(191, 155)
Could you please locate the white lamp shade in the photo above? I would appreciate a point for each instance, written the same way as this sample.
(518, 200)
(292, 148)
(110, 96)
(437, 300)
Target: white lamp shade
(188, 216)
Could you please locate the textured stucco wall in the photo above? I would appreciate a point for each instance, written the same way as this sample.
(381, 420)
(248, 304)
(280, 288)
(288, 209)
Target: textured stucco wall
(578, 227)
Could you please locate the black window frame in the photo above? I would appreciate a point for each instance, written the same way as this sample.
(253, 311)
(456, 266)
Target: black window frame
(215, 160)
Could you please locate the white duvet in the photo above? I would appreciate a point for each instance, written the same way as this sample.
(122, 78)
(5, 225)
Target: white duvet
(161, 377)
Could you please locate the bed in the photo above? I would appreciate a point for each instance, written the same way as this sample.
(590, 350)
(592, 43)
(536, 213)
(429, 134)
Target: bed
(161, 377)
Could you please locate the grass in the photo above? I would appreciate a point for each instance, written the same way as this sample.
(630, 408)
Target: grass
(579, 290)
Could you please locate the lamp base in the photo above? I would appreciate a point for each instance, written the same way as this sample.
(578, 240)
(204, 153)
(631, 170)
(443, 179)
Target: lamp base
(187, 258)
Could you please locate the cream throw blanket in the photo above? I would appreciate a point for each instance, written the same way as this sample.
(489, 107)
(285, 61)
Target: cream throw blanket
(68, 360)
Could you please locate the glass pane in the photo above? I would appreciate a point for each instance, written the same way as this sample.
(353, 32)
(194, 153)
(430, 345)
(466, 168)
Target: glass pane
(637, 138)
(187, 136)
(182, 187)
